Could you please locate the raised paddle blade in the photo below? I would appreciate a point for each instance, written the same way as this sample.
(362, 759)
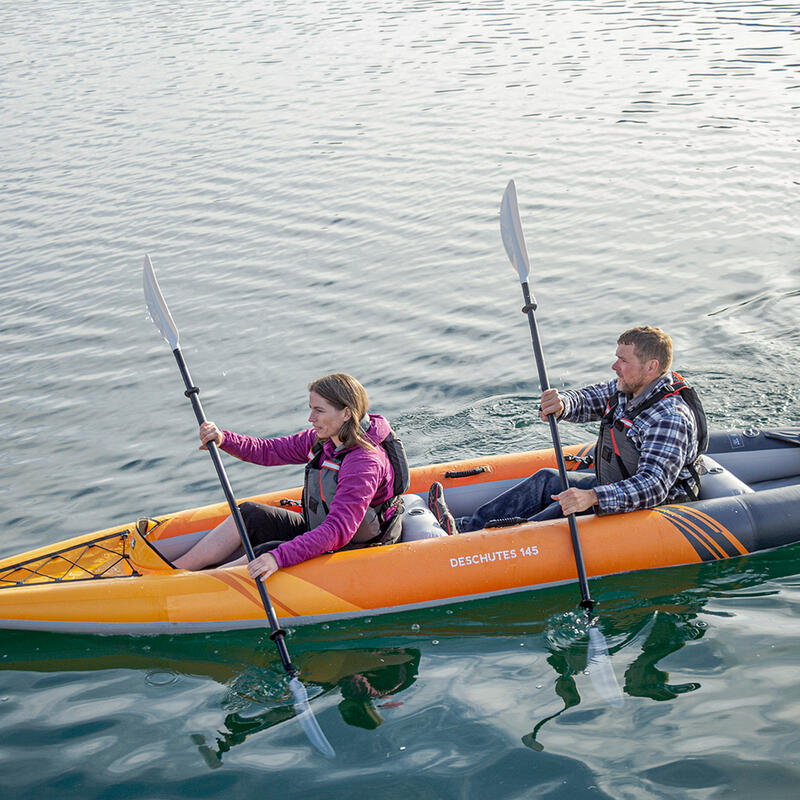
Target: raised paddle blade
(600, 669)
(599, 664)
(157, 306)
(511, 231)
(307, 719)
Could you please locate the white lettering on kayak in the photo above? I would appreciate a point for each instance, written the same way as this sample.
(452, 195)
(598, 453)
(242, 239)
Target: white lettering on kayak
(495, 555)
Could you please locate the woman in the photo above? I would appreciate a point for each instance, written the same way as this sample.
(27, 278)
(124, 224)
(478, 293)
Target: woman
(349, 496)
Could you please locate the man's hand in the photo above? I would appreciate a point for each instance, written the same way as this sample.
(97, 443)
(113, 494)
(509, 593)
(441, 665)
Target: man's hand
(573, 501)
(550, 404)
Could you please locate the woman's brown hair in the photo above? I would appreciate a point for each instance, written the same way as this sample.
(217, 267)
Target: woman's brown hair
(344, 391)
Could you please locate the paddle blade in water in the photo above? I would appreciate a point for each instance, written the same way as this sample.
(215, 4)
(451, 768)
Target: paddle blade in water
(511, 231)
(307, 719)
(600, 669)
(157, 306)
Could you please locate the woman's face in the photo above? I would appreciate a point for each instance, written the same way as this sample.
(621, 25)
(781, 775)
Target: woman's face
(326, 419)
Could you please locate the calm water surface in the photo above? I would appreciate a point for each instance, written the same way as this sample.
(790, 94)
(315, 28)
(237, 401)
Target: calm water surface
(318, 185)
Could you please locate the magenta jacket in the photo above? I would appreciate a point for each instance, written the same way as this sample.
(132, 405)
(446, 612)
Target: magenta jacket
(366, 478)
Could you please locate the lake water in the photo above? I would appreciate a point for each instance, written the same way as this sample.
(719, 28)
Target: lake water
(318, 185)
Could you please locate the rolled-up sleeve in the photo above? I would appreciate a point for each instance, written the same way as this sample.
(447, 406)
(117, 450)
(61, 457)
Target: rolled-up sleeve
(587, 404)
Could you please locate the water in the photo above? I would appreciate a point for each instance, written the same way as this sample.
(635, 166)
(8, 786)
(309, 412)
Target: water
(318, 186)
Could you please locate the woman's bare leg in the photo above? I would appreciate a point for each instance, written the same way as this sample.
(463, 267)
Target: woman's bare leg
(216, 546)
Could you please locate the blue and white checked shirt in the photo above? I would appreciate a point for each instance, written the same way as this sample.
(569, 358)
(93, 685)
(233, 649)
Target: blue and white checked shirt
(664, 434)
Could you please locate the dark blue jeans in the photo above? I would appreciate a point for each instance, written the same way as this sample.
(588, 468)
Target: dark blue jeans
(529, 499)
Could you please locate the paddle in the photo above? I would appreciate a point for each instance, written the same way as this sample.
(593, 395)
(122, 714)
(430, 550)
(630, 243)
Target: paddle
(599, 664)
(159, 313)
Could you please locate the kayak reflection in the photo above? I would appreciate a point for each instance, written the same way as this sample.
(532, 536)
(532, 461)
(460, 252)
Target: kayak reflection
(525, 640)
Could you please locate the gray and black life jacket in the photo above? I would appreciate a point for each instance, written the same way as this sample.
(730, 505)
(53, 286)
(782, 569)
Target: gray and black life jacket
(379, 526)
(616, 457)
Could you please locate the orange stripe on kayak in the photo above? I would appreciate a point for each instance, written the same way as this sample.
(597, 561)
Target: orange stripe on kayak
(720, 528)
(247, 588)
(705, 538)
(310, 597)
(688, 528)
(307, 597)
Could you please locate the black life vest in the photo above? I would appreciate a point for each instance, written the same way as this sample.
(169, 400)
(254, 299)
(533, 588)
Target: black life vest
(617, 457)
(321, 481)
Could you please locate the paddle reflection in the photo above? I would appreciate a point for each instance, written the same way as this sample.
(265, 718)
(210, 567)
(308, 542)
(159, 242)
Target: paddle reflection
(369, 681)
(654, 615)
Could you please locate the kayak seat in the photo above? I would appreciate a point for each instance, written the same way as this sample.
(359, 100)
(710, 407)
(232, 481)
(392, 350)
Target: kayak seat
(716, 481)
(419, 521)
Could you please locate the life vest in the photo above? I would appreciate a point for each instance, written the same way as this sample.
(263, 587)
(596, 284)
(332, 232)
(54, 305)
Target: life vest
(616, 455)
(322, 479)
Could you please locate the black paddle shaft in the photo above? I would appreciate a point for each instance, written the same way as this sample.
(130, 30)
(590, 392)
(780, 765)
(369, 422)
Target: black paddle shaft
(278, 634)
(529, 309)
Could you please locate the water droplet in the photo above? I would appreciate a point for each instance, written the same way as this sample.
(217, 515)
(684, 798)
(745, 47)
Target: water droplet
(161, 677)
(326, 627)
(415, 627)
(435, 641)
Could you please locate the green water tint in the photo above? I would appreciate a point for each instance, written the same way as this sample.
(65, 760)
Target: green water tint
(365, 668)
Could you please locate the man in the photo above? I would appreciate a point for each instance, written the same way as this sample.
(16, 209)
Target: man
(652, 430)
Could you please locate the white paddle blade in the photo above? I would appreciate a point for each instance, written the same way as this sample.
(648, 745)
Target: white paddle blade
(511, 231)
(157, 306)
(306, 718)
(600, 669)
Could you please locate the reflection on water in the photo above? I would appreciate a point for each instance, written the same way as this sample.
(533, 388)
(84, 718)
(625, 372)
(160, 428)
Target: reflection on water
(646, 617)
(365, 679)
(662, 635)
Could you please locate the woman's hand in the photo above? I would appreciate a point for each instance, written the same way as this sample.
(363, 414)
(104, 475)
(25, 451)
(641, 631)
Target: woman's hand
(263, 566)
(209, 432)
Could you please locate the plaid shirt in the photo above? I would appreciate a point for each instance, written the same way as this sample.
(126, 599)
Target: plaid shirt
(665, 435)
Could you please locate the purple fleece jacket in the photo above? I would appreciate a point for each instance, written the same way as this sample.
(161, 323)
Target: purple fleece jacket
(366, 478)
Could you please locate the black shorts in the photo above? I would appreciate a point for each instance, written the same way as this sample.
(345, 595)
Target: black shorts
(269, 526)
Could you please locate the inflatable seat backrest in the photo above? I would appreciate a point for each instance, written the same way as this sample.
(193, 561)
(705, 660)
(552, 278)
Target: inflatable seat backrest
(716, 481)
(419, 521)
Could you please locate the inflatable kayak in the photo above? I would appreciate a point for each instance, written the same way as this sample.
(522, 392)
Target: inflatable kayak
(121, 579)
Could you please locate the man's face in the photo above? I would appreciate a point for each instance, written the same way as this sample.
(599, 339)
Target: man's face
(632, 374)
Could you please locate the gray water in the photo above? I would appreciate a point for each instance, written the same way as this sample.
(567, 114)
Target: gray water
(318, 186)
